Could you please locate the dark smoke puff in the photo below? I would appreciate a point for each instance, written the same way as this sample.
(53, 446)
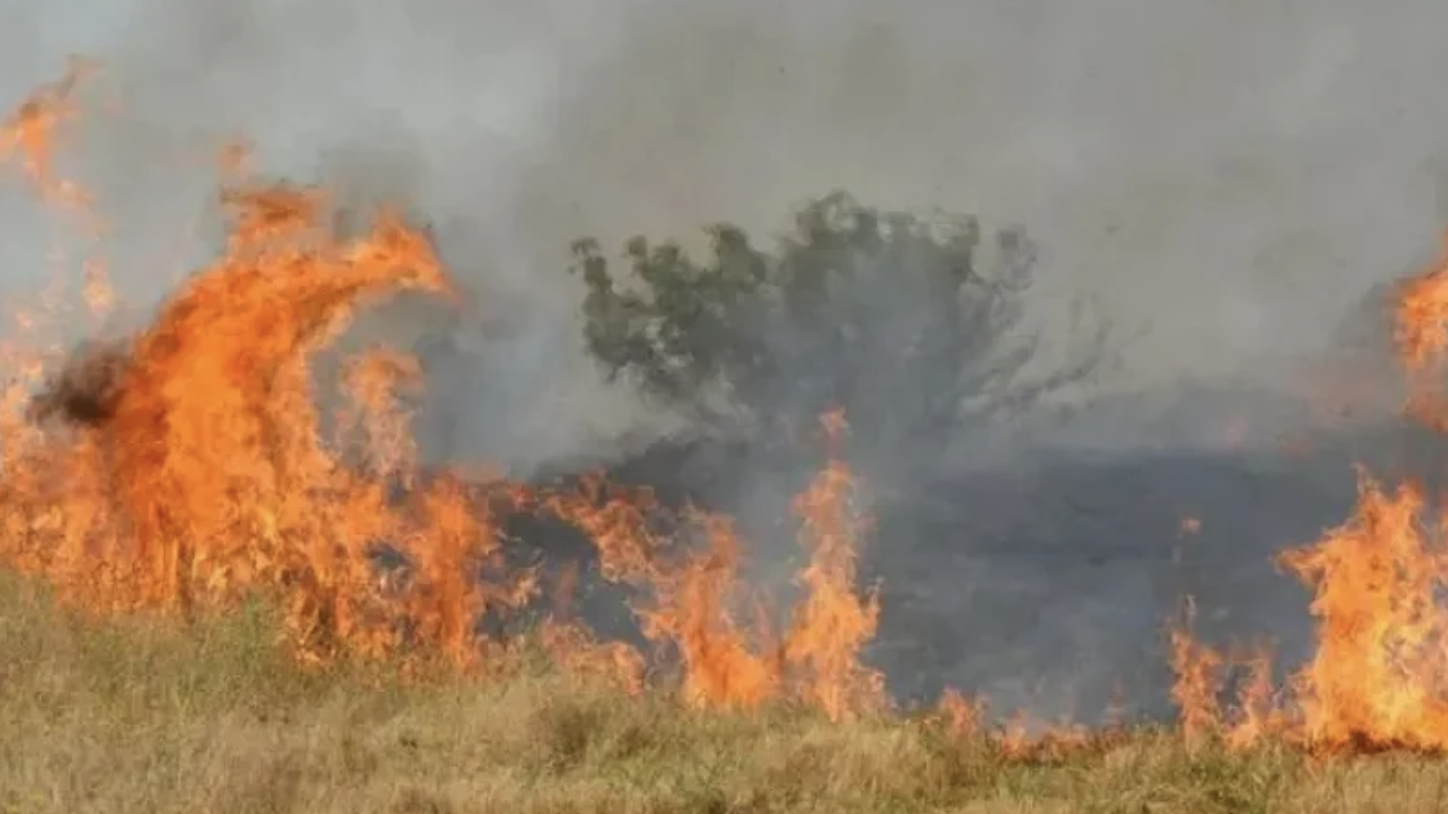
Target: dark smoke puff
(86, 388)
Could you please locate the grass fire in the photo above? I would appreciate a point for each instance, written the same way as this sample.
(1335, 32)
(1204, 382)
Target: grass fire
(195, 614)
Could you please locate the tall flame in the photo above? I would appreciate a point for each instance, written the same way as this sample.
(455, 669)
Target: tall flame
(185, 467)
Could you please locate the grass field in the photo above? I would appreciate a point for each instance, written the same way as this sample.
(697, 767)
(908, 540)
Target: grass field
(143, 716)
(185, 469)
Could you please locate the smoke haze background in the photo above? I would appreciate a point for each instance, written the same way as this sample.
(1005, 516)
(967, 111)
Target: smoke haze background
(1231, 177)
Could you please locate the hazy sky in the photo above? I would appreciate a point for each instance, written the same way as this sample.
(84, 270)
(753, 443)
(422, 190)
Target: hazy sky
(1232, 172)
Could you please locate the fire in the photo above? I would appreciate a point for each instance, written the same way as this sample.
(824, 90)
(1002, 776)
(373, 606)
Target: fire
(1378, 672)
(1198, 680)
(1377, 678)
(188, 466)
(833, 623)
(33, 132)
(692, 595)
(695, 596)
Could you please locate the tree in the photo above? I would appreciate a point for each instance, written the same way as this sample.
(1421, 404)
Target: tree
(893, 316)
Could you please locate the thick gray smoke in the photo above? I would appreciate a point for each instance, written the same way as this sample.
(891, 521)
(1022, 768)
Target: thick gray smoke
(1229, 177)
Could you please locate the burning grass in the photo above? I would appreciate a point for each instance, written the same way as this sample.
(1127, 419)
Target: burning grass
(166, 486)
(185, 468)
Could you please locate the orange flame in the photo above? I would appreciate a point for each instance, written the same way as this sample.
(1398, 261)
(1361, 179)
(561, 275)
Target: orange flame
(184, 468)
(1376, 679)
(1198, 681)
(834, 623)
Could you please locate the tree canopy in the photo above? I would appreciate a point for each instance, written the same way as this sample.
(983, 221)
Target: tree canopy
(898, 318)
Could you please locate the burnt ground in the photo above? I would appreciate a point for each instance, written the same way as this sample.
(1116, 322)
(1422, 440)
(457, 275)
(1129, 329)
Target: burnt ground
(1045, 579)
(1048, 585)
(1046, 582)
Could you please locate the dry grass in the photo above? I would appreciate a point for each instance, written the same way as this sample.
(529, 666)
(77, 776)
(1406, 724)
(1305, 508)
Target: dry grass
(139, 716)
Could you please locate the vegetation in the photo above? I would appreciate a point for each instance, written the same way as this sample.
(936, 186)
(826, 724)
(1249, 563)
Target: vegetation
(903, 320)
(147, 717)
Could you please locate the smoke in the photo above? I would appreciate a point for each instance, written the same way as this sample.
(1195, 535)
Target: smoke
(1231, 178)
